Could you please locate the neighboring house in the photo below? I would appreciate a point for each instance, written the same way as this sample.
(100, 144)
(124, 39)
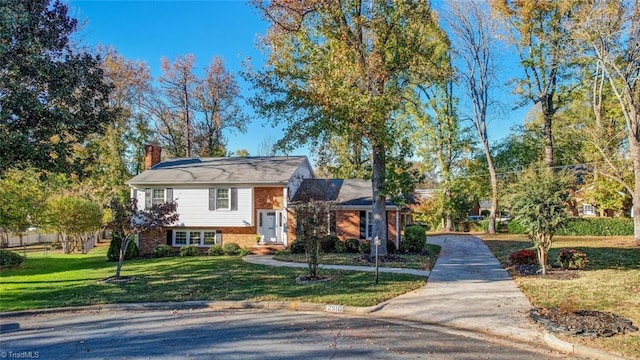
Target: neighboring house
(353, 202)
(243, 199)
(220, 200)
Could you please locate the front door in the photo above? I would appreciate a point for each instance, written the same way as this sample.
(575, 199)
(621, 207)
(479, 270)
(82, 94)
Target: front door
(268, 226)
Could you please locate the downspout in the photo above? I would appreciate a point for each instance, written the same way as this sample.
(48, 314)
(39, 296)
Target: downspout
(285, 205)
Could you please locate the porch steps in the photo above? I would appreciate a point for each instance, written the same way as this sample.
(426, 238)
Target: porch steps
(265, 249)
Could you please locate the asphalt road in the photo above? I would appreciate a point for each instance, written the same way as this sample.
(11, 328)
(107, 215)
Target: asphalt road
(246, 334)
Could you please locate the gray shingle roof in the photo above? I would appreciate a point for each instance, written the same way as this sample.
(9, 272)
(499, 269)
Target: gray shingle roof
(348, 192)
(229, 170)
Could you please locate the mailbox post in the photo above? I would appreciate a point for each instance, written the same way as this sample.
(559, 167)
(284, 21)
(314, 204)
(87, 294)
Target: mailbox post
(377, 244)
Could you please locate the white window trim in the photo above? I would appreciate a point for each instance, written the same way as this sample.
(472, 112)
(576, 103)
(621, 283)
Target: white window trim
(228, 199)
(188, 236)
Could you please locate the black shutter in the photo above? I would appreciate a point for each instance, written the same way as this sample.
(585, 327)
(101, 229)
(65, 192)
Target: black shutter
(363, 224)
(212, 199)
(168, 195)
(169, 237)
(234, 199)
(147, 198)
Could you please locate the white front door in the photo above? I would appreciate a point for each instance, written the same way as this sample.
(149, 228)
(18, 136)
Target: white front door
(269, 225)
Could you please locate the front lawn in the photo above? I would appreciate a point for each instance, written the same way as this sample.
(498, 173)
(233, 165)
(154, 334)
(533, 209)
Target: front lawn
(610, 282)
(56, 280)
(421, 262)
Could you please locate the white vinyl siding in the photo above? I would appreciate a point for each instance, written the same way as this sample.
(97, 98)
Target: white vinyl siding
(193, 207)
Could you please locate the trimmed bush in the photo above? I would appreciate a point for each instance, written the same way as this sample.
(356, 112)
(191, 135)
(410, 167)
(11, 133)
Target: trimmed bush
(601, 226)
(189, 250)
(215, 250)
(162, 251)
(297, 247)
(328, 243)
(340, 247)
(414, 239)
(113, 253)
(231, 249)
(572, 259)
(352, 246)
(523, 257)
(364, 247)
(391, 247)
(244, 251)
(10, 259)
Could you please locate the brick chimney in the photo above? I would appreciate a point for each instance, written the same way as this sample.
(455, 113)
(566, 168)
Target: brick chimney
(152, 155)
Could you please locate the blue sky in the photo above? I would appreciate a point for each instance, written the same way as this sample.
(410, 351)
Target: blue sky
(149, 30)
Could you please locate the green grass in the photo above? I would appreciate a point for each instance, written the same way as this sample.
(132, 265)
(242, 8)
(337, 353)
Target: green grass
(610, 282)
(420, 262)
(58, 280)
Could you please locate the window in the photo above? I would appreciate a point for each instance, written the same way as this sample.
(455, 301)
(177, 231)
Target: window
(158, 197)
(588, 209)
(369, 224)
(196, 237)
(222, 199)
(180, 238)
(209, 238)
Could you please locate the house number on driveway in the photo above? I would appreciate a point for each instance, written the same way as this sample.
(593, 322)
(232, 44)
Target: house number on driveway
(334, 308)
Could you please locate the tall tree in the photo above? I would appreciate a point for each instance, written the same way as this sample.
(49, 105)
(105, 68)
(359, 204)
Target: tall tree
(344, 67)
(538, 30)
(51, 95)
(611, 29)
(217, 98)
(179, 85)
(473, 32)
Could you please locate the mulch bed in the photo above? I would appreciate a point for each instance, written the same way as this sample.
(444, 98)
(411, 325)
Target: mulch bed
(588, 323)
(306, 279)
(117, 280)
(552, 273)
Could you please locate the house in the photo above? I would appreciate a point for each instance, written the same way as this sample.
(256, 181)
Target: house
(353, 201)
(220, 200)
(246, 199)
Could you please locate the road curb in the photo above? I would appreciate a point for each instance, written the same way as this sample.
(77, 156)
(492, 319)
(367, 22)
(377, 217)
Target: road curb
(575, 349)
(549, 339)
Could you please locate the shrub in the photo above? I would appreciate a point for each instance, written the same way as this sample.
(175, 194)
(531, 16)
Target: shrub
(414, 239)
(523, 257)
(113, 253)
(10, 259)
(161, 251)
(572, 259)
(391, 247)
(297, 247)
(364, 247)
(215, 250)
(352, 245)
(244, 251)
(189, 250)
(340, 247)
(586, 227)
(328, 243)
(231, 249)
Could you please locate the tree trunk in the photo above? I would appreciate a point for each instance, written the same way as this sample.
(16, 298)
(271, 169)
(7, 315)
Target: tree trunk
(448, 218)
(548, 135)
(123, 249)
(379, 226)
(635, 153)
(494, 187)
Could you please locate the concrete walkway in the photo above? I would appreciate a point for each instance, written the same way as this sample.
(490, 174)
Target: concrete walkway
(468, 289)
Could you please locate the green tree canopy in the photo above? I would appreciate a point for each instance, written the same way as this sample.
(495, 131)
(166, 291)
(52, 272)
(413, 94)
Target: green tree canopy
(51, 95)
